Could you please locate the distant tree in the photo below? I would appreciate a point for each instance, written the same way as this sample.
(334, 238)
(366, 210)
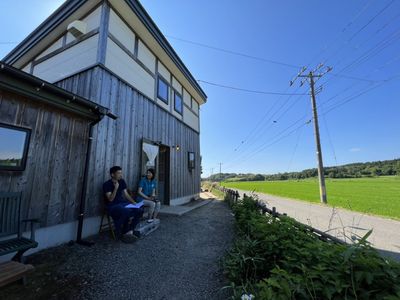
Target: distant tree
(397, 169)
(259, 177)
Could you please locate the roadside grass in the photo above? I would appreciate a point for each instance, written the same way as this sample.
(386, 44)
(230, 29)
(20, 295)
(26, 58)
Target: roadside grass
(378, 196)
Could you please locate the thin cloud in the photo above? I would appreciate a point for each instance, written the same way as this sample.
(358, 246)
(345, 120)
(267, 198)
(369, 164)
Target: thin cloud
(355, 149)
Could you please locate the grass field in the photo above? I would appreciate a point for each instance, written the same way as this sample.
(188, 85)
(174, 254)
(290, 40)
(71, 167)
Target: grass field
(378, 196)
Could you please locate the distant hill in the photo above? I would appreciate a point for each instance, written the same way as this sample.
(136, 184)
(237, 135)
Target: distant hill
(354, 170)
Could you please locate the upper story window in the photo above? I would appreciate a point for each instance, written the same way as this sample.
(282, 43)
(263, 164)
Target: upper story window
(14, 152)
(178, 104)
(162, 89)
(194, 106)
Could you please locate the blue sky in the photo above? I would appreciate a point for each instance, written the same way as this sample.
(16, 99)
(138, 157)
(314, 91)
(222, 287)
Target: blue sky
(254, 132)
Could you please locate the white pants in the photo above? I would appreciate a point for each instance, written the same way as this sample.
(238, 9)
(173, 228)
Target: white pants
(153, 206)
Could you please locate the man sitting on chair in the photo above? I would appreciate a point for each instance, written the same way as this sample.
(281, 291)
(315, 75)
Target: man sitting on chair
(147, 194)
(115, 191)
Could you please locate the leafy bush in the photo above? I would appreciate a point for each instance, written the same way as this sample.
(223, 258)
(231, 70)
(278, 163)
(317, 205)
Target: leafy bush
(280, 259)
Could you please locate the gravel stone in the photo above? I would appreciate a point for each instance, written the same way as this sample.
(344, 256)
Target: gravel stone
(180, 260)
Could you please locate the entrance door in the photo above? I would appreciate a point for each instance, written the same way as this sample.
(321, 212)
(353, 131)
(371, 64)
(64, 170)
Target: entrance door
(157, 157)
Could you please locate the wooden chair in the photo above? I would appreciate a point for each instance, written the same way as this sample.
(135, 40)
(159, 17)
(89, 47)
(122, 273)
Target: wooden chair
(11, 226)
(110, 224)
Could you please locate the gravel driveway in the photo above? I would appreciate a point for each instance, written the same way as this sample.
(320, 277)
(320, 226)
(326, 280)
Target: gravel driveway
(180, 260)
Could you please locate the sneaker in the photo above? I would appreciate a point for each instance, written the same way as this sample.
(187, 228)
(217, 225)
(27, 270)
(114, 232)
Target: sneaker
(150, 220)
(128, 238)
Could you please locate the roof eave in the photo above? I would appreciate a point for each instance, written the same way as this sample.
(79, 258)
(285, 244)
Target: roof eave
(43, 30)
(160, 38)
(70, 100)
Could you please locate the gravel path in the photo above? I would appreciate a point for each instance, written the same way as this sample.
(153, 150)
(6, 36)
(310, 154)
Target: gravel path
(180, 260)
(340, 222)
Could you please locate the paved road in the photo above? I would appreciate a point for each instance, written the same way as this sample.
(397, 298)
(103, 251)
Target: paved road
(340, 223)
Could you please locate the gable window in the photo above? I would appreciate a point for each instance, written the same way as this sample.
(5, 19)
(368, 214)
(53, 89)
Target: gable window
(13, 153)
(162, 89)
(178, 104)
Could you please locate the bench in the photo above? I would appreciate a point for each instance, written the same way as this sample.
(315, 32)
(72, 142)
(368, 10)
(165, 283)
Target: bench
(11, 239)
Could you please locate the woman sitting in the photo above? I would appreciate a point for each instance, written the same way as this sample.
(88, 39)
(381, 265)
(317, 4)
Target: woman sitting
(147, 194)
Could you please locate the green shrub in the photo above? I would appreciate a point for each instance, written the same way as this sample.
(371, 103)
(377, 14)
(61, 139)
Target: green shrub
(280, 259)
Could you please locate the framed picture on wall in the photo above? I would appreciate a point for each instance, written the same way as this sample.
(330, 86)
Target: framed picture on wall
(14, 149)
(191, 161)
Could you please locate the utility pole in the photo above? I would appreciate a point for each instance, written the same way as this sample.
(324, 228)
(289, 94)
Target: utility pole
(310, 76)
(211, 171)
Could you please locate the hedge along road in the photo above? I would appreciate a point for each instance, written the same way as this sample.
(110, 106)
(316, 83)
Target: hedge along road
(339, 222)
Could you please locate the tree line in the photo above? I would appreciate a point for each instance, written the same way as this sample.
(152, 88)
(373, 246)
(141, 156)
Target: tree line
(354, 170)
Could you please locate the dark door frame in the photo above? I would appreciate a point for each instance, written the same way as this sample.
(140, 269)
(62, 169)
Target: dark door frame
(167, 196)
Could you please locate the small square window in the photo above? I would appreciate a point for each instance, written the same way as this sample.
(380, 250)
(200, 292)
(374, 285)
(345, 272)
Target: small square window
(162, 89)
(195, 106)
(13, 153)
(191, 161)
(178, 104)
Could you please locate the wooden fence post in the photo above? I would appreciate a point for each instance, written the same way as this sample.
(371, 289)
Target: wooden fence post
(274, 211)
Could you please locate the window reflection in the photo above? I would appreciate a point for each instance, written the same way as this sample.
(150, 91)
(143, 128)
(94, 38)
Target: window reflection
(13, 147)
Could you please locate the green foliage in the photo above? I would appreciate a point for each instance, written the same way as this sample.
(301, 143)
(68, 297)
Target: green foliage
(281, 259)
(355, 170)
(379, 196)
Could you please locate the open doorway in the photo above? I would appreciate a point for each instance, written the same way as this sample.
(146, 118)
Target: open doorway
(157, 156)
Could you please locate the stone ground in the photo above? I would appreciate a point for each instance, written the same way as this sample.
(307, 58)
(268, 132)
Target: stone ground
(180, 260)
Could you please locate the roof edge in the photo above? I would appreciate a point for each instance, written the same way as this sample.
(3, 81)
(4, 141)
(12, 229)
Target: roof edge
(57, 17)
(145, 18)
(55, 90)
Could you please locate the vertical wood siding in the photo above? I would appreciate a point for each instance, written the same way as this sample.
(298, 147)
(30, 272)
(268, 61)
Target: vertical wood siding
(52, 181)
(119, 142)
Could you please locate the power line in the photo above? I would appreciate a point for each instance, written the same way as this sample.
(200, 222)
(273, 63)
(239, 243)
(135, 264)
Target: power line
(329, 138)
(372, 19)
(367, 55)
(360, 12)
(251, 138)
(247, 90)
(265, 145)
(279, 137)
(234, 52)
(351, 98)
(362, 28)
(295, 149)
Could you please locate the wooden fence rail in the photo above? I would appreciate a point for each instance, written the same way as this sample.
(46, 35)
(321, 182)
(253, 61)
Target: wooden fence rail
(233, 196)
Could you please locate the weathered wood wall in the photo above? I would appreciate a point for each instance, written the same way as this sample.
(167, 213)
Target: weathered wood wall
(51, 184)
(119, 142)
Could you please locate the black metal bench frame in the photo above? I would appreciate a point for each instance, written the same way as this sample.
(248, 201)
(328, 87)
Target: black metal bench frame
(11, 226)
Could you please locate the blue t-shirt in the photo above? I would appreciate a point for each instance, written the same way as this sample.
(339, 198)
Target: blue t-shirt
(108, 187)
(147, 188)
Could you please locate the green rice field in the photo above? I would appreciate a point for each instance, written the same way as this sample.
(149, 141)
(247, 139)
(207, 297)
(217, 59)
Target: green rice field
(378, 196)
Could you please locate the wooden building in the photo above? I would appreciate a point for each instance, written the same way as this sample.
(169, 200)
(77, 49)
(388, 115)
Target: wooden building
(111, 52)
(44, 134)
